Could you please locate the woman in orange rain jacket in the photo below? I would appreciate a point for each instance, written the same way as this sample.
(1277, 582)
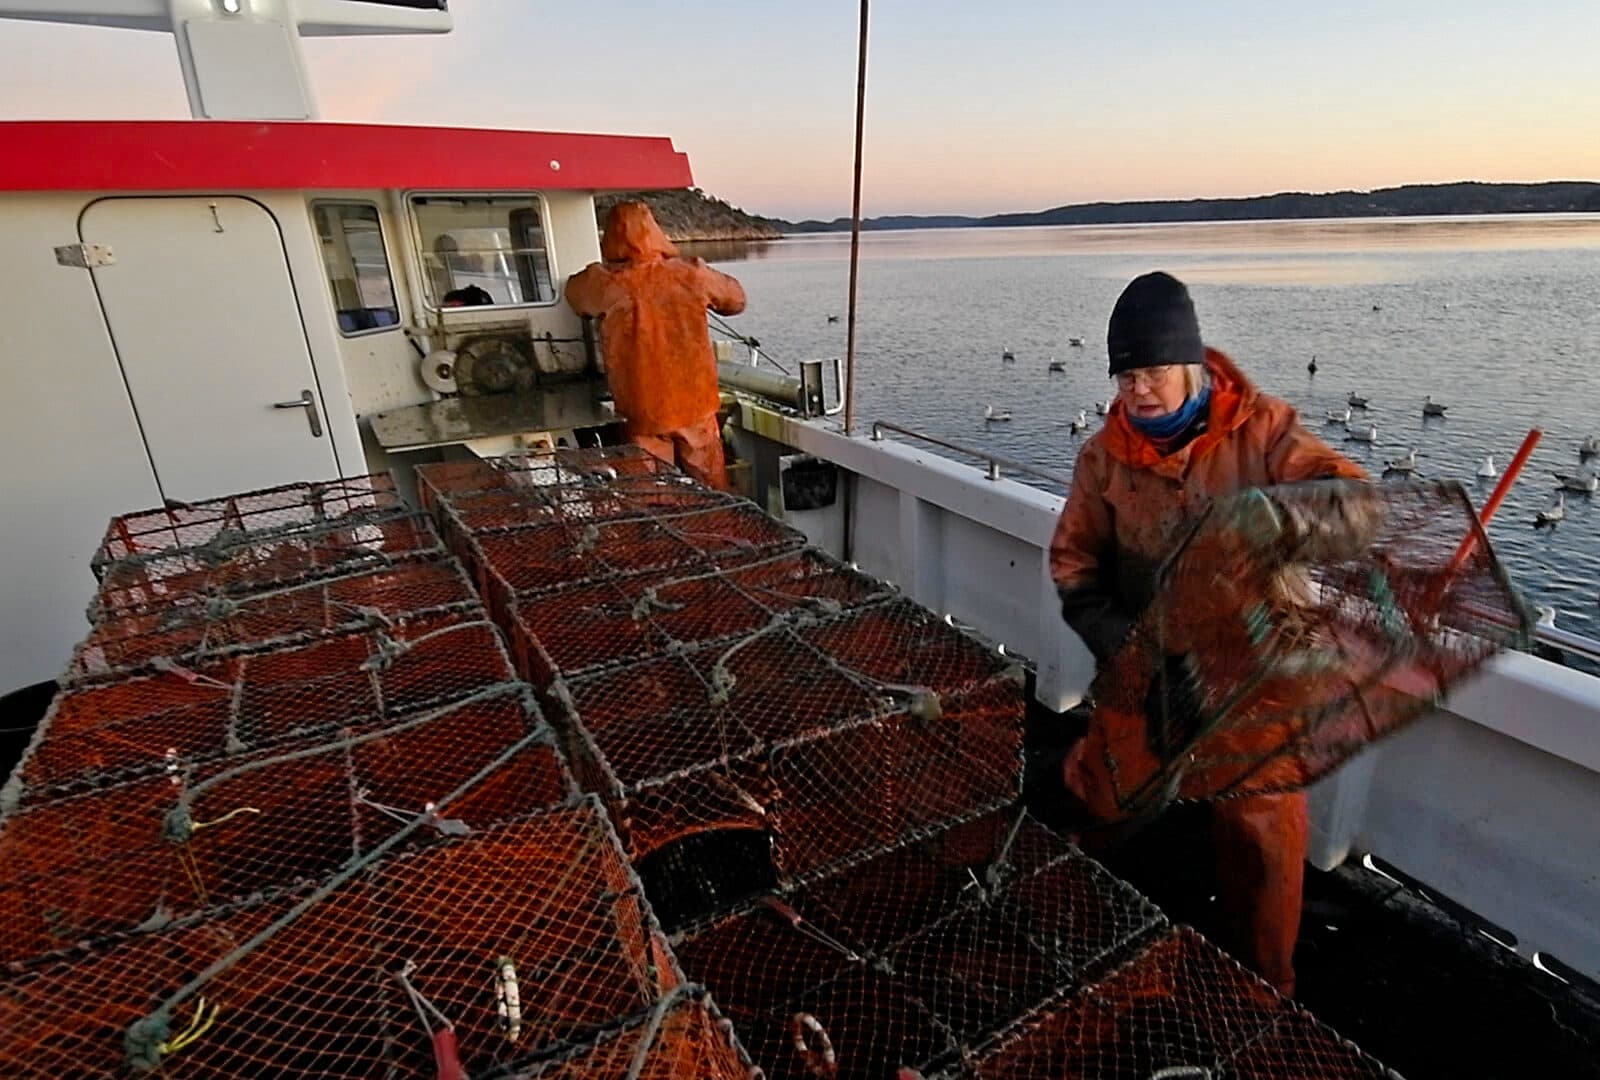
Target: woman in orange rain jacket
(658, 352)
(1186, 426)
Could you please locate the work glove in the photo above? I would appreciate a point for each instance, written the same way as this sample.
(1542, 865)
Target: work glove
(1320, 521)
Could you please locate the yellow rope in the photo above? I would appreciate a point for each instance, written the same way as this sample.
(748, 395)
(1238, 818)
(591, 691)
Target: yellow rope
(192, 869)
(197, 1028)
(197, 826)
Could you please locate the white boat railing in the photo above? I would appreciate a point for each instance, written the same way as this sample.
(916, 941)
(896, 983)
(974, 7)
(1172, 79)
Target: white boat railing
(1562, 640)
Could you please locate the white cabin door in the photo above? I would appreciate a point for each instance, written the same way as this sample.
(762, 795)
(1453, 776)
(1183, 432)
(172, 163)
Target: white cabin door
(206, 326)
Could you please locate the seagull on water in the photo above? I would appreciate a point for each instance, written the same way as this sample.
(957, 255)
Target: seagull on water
(1554, 514)
(996, 415)
(1407, 464)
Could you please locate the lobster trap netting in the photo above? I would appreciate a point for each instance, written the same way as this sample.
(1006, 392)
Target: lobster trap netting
(295, 816)
(192, 632)
(139, 853)
(474, 956)
(181, 716)
(593, 625)
(597, 500)
(682, 1038)
(250, 517)
(1291, 628)
(521, 562)
(534, 475)
(237, 565)
(910, 959)
(799, 741)
(1181, 1010)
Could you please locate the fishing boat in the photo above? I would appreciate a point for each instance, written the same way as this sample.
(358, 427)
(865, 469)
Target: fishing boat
(254, 301)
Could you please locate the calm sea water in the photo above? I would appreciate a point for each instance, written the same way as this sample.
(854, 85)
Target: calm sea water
(1499, 318)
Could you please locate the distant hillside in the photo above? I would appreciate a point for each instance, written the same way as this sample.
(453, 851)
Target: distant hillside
(694, 215)
(1557, 196)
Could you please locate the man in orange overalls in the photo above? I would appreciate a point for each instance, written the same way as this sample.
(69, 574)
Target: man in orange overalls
(657, 349)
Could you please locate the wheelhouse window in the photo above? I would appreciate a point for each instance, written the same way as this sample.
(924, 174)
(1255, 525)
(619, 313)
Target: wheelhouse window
(351, 238)
(483, 250)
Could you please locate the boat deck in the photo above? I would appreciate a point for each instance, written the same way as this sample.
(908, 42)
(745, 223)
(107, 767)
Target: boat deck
(889, 900)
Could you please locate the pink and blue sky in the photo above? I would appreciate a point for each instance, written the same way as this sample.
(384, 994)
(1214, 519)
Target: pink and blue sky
(972, 107)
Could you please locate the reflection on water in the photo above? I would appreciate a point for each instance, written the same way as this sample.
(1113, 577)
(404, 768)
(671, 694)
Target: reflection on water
(1496, 232)
(1307, 271)
(1496, 317)
(726, 250)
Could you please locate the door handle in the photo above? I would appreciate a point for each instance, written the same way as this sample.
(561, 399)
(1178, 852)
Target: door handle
(307, 401)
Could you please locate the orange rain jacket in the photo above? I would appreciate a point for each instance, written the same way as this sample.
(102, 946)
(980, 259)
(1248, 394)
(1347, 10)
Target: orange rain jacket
(1126, 498)
(658, 353)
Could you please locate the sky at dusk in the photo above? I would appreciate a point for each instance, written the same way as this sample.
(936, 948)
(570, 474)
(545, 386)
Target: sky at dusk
(972, 107)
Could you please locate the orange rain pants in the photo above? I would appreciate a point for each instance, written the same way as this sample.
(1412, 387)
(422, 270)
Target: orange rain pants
(695, 448)
(1260, 844)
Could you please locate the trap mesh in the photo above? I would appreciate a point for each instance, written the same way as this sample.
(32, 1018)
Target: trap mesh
(522, 562)
(526, 940)
(519, 507)
(591, 626)
(1291, 629)
(141, 852)
(249, 517)
(771, 733)
(1180, 1010)
(181, 717)
(683, 1038)
(236, 567)
(534, 474)
(259, 840)
(908, 959)
(192, 632)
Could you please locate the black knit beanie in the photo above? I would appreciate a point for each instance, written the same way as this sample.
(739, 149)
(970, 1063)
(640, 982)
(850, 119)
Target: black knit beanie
(1153, 324)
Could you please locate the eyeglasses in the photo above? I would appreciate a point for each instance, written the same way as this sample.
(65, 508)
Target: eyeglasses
(1154, 377)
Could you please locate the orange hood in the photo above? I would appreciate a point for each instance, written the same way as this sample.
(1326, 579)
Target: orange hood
(632, 236)
(1233, 400)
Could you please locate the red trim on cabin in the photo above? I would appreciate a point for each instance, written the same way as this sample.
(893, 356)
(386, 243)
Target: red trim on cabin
(213, 155)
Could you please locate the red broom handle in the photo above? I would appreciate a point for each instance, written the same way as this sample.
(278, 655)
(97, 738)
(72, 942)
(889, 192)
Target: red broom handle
(1469, 543)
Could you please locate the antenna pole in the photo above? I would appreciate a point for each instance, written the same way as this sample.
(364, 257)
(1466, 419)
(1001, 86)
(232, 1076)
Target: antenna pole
(855, 233)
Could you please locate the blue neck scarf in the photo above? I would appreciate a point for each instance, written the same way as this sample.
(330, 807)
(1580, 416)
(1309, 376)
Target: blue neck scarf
(1166, 428)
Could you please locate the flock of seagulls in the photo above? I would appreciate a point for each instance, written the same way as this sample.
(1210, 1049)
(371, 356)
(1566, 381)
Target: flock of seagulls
(1051, 364)
(1079, 423)
(1368, 433)
(1584, 482)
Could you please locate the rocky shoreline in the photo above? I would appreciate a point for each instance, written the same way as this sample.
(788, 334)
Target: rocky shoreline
(692, 216)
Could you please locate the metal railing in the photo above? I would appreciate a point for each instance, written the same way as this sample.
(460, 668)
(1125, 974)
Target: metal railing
(1563, 640)
(993, 463)
(1568, 642)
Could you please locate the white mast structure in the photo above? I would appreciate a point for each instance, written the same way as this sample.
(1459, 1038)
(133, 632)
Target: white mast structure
(241, 59)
